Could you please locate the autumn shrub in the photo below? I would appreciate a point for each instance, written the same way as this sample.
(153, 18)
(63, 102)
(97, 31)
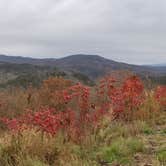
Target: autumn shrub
(48, 120)
(50, 93)
(13, 102)
(77, 111)
(125, 99)
(160, 96)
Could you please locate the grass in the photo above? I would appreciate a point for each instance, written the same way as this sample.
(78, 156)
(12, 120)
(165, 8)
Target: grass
(161, 155)
(115, 142)
(122, 150)
(32, 162)
(148, 130)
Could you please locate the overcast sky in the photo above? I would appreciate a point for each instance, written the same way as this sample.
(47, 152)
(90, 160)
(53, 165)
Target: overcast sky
(132, 31)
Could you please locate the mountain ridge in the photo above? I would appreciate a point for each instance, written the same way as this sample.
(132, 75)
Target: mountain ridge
(94, 66)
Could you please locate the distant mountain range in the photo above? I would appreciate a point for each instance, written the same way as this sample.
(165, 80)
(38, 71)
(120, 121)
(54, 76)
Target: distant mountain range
(27, 60)
(91, 66)
(160, 64)
(96, 66)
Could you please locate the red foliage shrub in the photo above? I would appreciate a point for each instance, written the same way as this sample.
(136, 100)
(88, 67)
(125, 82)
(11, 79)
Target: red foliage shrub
(45, 120)
(132, 90)
(51, 92)
(12, 124)
(79, 113)
(160, 95)
(124, 98)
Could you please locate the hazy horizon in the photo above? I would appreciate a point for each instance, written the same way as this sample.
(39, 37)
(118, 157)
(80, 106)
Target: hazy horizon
(127, 31)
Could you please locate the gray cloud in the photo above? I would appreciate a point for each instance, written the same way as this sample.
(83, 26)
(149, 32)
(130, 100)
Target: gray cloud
(132, 31)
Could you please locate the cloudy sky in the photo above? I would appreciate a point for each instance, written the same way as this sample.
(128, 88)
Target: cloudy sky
(132, 31)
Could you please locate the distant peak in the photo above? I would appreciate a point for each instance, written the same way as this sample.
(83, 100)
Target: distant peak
(84, 55)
